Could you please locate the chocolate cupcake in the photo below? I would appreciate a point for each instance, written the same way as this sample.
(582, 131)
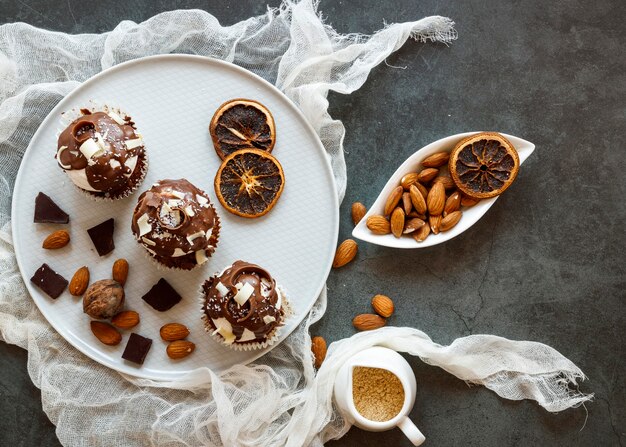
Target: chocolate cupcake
(243, 308)
(176, 224)
(102, 153)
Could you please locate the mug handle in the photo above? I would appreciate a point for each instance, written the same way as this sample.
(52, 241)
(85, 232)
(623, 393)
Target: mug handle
(411, 431)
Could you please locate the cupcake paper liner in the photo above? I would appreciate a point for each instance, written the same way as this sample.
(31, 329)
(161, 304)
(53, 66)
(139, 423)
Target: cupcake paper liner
(69, 116)
(271, 338)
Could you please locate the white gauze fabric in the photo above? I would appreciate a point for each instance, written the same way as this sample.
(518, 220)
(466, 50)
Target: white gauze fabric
(279, 400)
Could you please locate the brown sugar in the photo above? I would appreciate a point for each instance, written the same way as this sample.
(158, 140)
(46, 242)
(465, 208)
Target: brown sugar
(378, 394)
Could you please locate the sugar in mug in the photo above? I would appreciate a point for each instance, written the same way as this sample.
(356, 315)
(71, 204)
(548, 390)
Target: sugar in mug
(390, 360)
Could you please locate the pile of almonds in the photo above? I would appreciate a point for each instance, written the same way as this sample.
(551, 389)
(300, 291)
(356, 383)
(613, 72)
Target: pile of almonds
(423, 202)
(175, 333)
(383, 306)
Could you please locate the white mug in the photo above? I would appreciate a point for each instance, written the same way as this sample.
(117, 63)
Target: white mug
(383, 358)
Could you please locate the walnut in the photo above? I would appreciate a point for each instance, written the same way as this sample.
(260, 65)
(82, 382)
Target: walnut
(103, 299)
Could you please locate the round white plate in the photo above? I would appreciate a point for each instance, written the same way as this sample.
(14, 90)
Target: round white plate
(172, 99)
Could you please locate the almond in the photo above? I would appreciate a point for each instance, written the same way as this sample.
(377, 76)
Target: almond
(126, 319)
(378, 225)
(427, 175)
(393, 199)
(408, 180)
(422, 189)
(453, 203)
(413, 224)
(414, 214)
(345, 253)
(406, 203)
(450, 221)
(358, 212)
(468, 201)
(382, 305)
(58, 239)
(179, 349)
(120, 271)
(417, 199)
(436, 160)
(79, 282)
(397, 222)
(435, 223)
(421, 233)
(174, 331)
(448, 183)
(318, 347)
(367, 322)
(436, 199)
(106, 333)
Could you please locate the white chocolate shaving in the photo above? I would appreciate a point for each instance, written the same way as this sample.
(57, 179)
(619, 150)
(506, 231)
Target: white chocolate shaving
(189, 211)
(61, 149)
(90, 148)
(203, 201)
(180, 195)
(115, 117)
(148, 241)
(114, 163)
(193, 237)
(247, 335)
(244, 294)
(144, 225)
(201, 257)
(267, 319)
(132, 144)
(225, 329)
(221, 288)
(178, 253)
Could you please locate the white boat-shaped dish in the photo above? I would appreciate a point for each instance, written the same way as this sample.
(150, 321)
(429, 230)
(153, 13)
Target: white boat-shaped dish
(413, 164)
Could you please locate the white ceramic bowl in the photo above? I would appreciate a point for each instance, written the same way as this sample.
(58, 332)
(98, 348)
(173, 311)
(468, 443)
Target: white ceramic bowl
(413, 164)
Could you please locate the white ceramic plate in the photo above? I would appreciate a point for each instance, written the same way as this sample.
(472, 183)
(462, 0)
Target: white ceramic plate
(172, 99)
(413, 164)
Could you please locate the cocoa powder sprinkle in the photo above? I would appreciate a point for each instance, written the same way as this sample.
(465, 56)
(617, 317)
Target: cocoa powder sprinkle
(378, 394)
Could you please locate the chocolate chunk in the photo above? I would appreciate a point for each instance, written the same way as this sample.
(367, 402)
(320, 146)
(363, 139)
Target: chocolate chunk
(137, 348)
(102, 236)
(49, 281)
(46, 211)
(162, 296)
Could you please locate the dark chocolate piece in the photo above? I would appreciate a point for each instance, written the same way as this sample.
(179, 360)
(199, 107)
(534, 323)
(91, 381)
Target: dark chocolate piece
(46, 211)
(49, 281)
(102, 236)
(137, 348)
(162, 296)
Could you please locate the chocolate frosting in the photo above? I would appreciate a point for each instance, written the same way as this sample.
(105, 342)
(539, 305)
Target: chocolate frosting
(106, 171)
(263, 302)
(174, 219)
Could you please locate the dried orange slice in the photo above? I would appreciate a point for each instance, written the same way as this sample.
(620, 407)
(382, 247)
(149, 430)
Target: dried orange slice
(484, 165)
(249, 182)
(242, 124)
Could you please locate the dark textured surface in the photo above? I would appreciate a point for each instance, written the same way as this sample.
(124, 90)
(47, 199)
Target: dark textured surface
(546, 263)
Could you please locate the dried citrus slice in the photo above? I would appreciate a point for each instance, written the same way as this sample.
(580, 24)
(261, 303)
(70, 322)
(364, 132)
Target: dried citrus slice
(249, 182)
(484, 165)
(242, 124)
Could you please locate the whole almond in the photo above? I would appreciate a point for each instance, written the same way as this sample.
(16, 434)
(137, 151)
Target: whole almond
(407, 206)
(452, 203)
(79, 282)
(397, 222)
(358, 212)
(468, 201)
(58, 239)
(174, 331)
(408, 180)
(179, 349)
(447, 182)
(450, 221)
(393, 199)
(436, 199)
(106, 333)
(318, 347)
(345, 253)
(412, 225)
(367, 322)
(422, 189)
(382, 305)
(435, 223)
(120, 271)
(126, 319)
(427, 175)
(436, 160)
(378, 225)
(417, 199)
(421, 233)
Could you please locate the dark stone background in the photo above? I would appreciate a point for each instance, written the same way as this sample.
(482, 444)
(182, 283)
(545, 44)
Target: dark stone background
(547, 261)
